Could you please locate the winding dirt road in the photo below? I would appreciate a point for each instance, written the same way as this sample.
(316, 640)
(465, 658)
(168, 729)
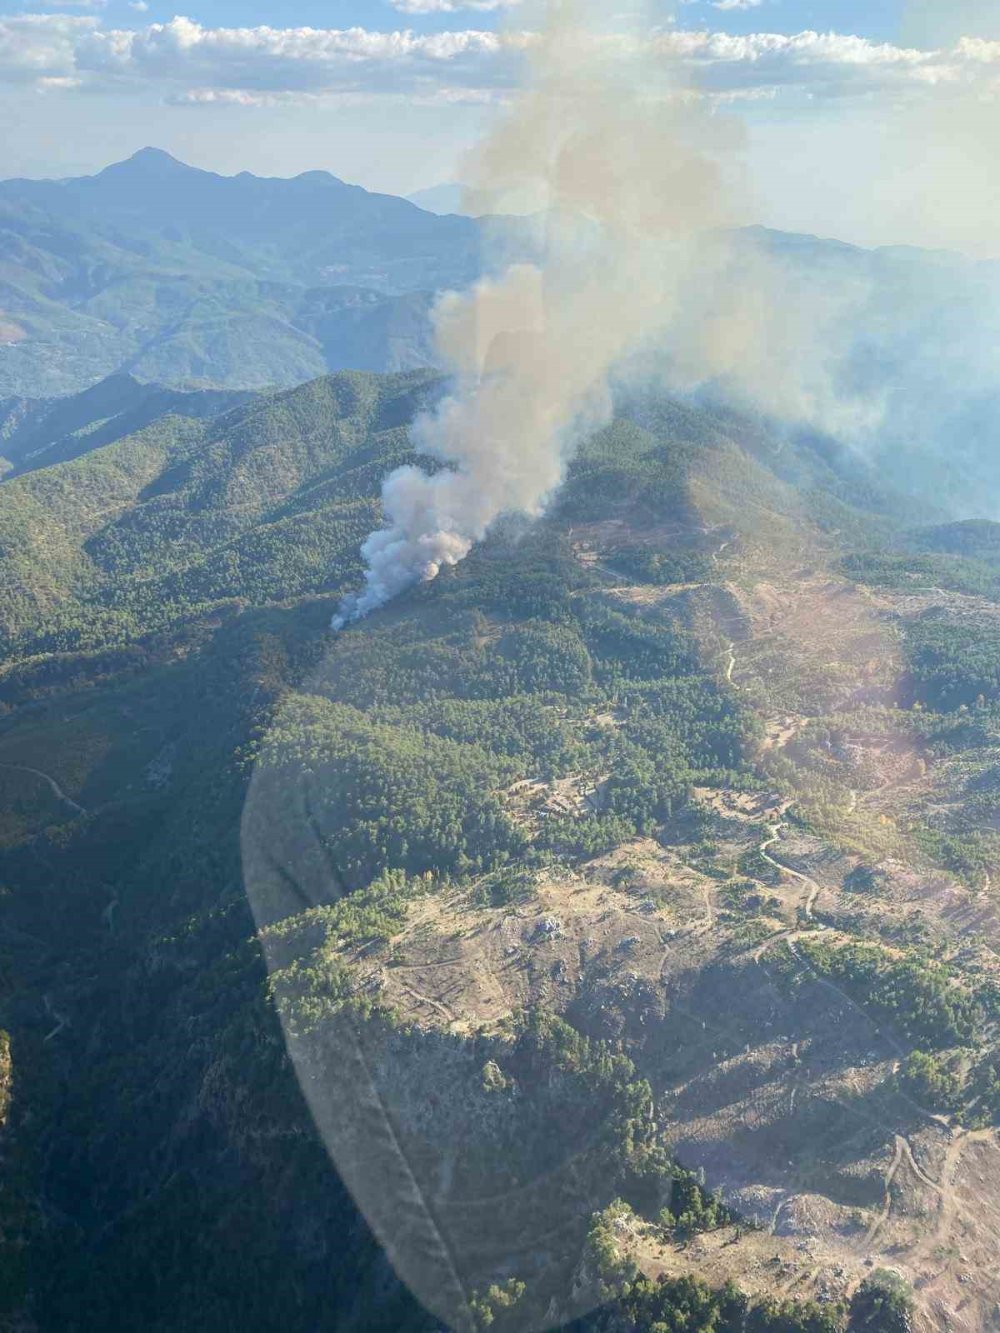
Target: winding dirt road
(443, 1009)
(813, 889)
(53, 785)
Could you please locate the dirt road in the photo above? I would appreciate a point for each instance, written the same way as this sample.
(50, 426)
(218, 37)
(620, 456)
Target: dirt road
(53, 785)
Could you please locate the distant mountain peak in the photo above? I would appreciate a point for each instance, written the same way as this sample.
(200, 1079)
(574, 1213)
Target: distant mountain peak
(148, 161)
(150, 154)
(318, 176)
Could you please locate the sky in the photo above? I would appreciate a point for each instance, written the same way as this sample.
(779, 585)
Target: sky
(871, 120)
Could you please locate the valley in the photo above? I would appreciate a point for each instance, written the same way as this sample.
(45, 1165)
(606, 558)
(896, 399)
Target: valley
(645, 862)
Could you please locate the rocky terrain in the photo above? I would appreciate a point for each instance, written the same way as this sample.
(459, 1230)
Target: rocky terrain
(638, 873)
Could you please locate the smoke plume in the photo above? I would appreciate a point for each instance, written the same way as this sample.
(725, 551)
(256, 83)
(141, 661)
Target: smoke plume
(620, 156)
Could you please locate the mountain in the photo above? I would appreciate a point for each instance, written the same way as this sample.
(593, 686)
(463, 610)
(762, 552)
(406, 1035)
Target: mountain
(308, 229)
(202, 508)
(889, 351)
(183, 276)
(39, 432)
(186, 278)
(623, 899)
(442, 199)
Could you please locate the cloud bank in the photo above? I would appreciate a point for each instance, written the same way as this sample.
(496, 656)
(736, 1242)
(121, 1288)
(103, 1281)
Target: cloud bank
(181, 55)
(451, 6)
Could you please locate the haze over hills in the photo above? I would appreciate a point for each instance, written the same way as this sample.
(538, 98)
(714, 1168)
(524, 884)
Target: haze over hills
(888, 352)
(722, 724)
(184, 276)
(444, 198)
(37, 432)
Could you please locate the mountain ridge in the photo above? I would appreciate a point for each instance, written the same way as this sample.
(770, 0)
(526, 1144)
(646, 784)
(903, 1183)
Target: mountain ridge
(184, 275)
(193, 279)
(37, 433)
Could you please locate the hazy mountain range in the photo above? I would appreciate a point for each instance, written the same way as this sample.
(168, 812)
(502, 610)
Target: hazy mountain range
(184, 276)
(180, 277)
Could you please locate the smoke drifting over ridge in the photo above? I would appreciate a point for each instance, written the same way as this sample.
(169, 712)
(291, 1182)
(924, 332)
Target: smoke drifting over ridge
(621, 160)
(889, 352)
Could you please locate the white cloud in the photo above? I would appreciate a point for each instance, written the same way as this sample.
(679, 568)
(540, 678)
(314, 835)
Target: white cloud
(34, 47)
(450, 6)
(979, 50)
(239, 97)
(140, 6)
(822, 64)
(198, 65)
(183, 54)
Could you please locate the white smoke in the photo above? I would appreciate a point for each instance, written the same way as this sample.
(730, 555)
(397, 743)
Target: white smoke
(622, 160)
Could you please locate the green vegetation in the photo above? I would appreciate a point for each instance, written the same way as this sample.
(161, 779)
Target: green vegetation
(917, 573)
(865, 879)
(969, 854)
(691, 1209)
(499, 1297)
(165, 604)
(183, 276)
(959, 557)
(170, 593)
(917, 997)
(754, 864)
(687, 1305)
(188, 517)
(953, 660)
(952, 667)
(983, 1091)
(933, 1081)
(37, 433)
(392, 796)
(882, 1304)
(420, 786)
(746, 896)
(648, 565)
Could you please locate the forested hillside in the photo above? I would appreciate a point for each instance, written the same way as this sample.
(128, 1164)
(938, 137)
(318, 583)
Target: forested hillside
(156, 271)
(37, 432)
(181, 276)
(523, 835)
(190, 513)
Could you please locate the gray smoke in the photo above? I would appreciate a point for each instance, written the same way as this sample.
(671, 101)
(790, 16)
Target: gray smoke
(887, 351)
(607, 138)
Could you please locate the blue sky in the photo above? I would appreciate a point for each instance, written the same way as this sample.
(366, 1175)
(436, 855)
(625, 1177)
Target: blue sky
(870, 119)
(878, 19)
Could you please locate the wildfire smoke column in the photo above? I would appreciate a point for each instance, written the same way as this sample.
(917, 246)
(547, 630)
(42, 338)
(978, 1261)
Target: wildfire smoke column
(618, 152)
